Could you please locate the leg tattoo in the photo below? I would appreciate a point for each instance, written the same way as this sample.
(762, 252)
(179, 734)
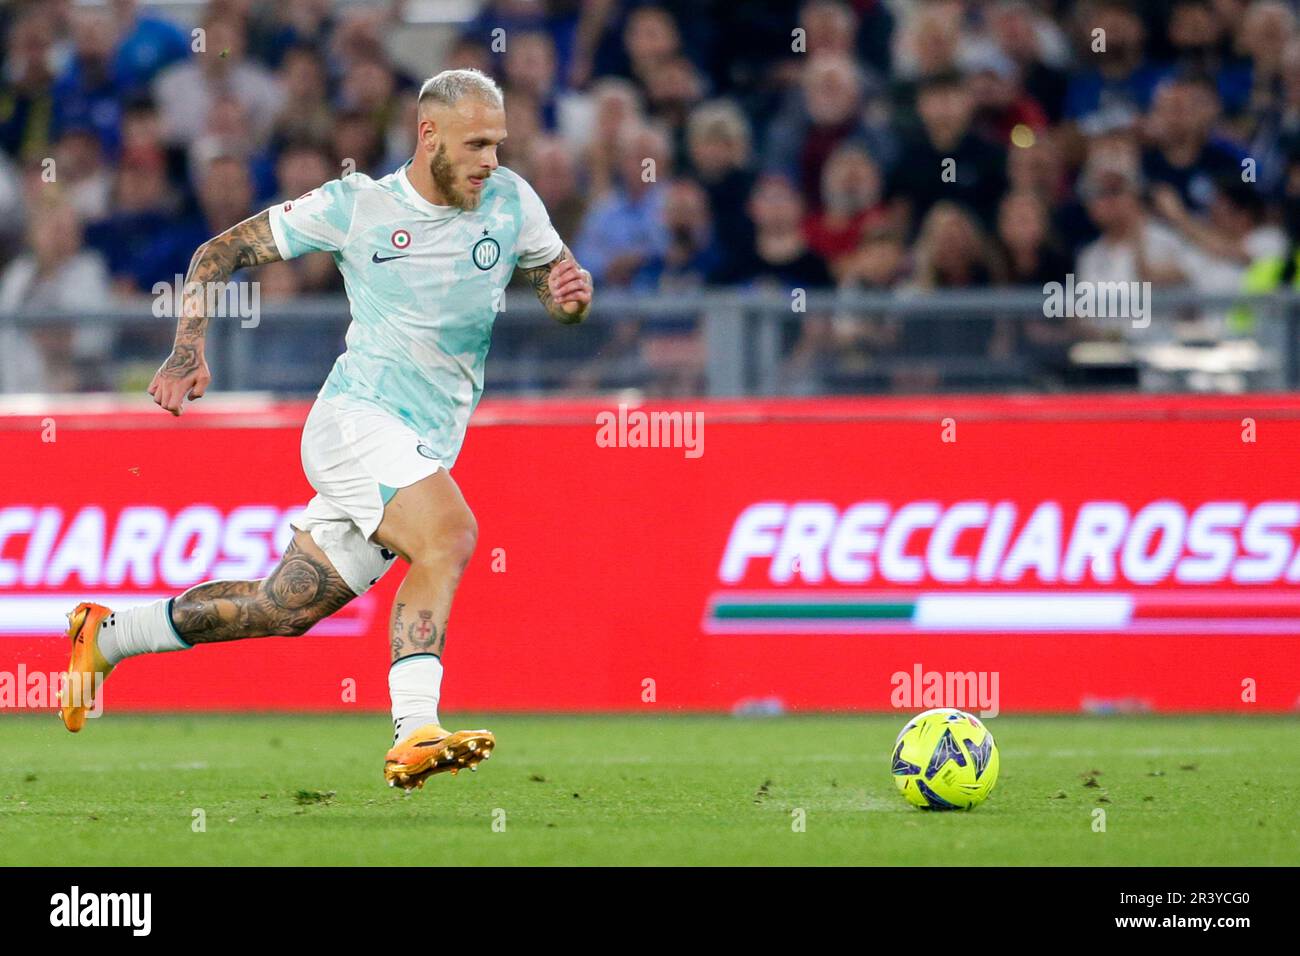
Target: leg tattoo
(418, 636)
(298, 593)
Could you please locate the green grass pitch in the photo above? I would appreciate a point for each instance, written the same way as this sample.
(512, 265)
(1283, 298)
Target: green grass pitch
(641, 790)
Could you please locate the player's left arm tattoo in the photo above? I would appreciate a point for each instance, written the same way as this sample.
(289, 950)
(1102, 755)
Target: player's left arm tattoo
(539, 278)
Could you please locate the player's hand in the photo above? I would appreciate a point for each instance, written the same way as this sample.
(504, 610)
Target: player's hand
(184, 375)
(570, 286)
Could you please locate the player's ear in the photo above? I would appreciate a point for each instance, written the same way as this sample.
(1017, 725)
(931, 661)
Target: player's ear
(428, 133)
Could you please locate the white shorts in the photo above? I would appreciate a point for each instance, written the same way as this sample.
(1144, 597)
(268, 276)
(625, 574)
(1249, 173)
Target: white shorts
(356, 456)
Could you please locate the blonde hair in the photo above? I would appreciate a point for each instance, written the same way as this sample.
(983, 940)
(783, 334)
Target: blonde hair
(451, 86)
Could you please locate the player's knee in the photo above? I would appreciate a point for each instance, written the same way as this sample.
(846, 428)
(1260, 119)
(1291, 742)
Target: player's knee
(451, 543)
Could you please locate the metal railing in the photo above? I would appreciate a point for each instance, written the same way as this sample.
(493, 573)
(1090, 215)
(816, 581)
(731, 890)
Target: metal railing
(720, 342)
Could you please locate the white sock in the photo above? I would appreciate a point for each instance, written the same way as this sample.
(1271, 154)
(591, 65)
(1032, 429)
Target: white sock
(147, 629)
(414, 684)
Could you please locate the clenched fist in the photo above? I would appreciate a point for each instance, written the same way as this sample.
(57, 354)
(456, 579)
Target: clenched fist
(184, 375)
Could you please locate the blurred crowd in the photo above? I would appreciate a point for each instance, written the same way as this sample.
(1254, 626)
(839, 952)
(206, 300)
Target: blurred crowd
(907, 146)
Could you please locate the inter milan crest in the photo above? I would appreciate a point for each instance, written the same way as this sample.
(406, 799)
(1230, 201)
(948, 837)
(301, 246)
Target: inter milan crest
(486, 252)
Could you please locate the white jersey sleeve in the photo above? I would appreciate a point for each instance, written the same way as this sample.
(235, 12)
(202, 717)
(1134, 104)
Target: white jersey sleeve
(317, 221)
(538, 241)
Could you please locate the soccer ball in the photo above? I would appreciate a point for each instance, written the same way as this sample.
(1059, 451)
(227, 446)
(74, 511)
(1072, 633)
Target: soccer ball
(945, 759)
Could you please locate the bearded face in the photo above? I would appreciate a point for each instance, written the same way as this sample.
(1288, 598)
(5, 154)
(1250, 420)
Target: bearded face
(449, 183)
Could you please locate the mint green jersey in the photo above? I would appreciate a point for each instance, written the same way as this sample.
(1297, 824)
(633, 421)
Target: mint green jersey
(424, 283)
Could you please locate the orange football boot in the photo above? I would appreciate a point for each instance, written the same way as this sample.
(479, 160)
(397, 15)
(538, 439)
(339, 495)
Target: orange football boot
(430, 750)
(87, 668)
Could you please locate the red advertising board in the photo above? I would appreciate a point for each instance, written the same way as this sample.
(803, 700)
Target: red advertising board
(1131, 552)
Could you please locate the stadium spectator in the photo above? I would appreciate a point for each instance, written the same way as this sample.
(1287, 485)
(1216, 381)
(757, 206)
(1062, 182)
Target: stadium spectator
(223, 134)
(225, 196)
(671, 347)
(1037, 166)
(831, 26)
(880, 263)
(145, 207)
(1275, 118)
(1219, 249)
(147, 45)
(1001, 103)
(187, 91)
(554, 176)
(690, 255)
(853, 187)
(558, 25)
(846, 348)
(358, 36)
(27, 90)
(275, 29)
(369, 86)
(953, 252)
(1033, 255)
(650, 37)
(307, 114)
(1118, 80)
(1039, 51)
(530, 73)
(719, 155)
(622, 242)
(142, 129)
(56, 275)
(946, 159)
(1185, 153)
(1266, 29)
(673, 88)
(1278, 272)
(1132, 247)
(467, 53)
(1200, 45)
(525, 124)
(779, 257)
(929, 42)
(1107, 144)
(358, 141)
(827, 113)
(87, 94)
(615, 105)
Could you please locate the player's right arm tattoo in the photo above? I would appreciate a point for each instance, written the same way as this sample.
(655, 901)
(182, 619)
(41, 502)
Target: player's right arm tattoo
(539, 278)
(249, 243)
(297, 594)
